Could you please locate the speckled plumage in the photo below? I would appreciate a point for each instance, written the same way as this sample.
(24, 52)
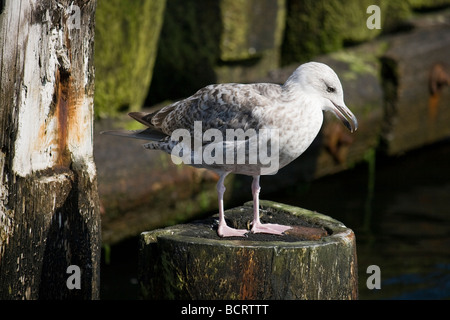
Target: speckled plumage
(223, 107)
(293, 110)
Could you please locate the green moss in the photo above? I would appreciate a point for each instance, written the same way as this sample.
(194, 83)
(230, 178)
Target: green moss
(174, 281)
(205, 198)
(358, 64)
(422, 4)
(234, 44)
(133, 125)
(246, 34)
(126, 36)
(204, 42)
(307, 215)
(164, 160)
(314, 27)
(188, 49)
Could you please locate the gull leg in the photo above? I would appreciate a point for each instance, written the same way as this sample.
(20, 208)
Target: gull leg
(257, 226)
(223, 230)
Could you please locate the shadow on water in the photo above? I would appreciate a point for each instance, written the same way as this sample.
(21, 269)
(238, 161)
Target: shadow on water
(398, 207)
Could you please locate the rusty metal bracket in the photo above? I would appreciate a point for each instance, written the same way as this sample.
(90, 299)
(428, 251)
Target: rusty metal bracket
(438, 78)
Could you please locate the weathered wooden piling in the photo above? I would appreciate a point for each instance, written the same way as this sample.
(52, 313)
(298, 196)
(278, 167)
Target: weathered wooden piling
(314, 260)
(49, 204)
(415, 73)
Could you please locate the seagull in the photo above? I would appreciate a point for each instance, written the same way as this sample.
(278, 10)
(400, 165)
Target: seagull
(290, 116)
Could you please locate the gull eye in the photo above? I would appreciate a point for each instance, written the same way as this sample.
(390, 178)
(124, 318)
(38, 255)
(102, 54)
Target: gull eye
(331, 89)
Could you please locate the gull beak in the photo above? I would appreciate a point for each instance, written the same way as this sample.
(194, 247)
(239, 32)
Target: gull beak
(346, 116)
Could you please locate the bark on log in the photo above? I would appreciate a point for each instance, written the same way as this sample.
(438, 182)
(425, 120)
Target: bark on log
(49, 216)
(315, 260)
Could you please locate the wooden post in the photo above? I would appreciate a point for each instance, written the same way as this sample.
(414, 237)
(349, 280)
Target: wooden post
(415, 113)
(49, 207)
(315, 260)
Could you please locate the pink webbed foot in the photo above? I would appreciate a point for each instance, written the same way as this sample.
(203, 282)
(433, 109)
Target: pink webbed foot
(269, 228)
(223, 230)
(226, 231)
(257, 226)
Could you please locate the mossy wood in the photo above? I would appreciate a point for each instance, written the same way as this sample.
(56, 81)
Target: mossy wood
(314, 260)
(415, 113)
(204, 42)
(126, 43)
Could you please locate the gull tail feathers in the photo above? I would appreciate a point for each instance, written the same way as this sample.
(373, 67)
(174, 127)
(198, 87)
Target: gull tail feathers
(142, 117)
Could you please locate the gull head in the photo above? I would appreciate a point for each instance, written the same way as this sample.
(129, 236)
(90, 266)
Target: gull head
(321, 83)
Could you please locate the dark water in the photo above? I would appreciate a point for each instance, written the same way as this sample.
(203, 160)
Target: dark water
(401, 218)
(399, 210)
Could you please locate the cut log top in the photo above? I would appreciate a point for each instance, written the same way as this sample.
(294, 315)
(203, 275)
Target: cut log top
(306, 226)
(314, 260)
